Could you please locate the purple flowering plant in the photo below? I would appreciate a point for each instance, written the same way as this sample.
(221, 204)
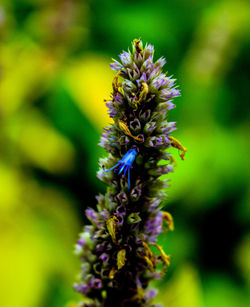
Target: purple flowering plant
(116, 249)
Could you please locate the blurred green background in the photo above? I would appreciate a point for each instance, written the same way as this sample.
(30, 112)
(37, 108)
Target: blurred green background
(55, 73)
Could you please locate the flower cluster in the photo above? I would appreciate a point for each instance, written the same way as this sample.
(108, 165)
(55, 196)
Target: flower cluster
(115, 250)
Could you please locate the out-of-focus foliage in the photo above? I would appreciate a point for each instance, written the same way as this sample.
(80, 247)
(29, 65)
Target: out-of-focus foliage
(54, 76)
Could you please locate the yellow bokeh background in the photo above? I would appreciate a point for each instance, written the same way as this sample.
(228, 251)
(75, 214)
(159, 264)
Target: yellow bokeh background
(55, 75)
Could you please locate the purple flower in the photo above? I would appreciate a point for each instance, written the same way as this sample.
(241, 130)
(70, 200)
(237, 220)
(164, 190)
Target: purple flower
(125, 58)
(170, 105)
(150, 294)
(148, 64)
(136, 193)
(123, 140)
(150, 127)
(118, 99)
(148, 50)
(81, 288)
(81, 242)
(169, 93)
(165, 169)
(116, 66)
(159, 81)
(155, 141)
(95, 283)
(117, 261)
(167, 127)
(121, 210)
(161, 62)
(153, 225)
(92, 215)
(101, 247)
(143, 78)
(175, 93)
(104, 257)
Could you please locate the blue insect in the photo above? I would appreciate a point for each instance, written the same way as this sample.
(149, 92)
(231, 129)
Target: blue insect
(125, 164)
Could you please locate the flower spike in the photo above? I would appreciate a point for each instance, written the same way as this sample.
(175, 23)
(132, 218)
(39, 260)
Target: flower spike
(117, 261)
